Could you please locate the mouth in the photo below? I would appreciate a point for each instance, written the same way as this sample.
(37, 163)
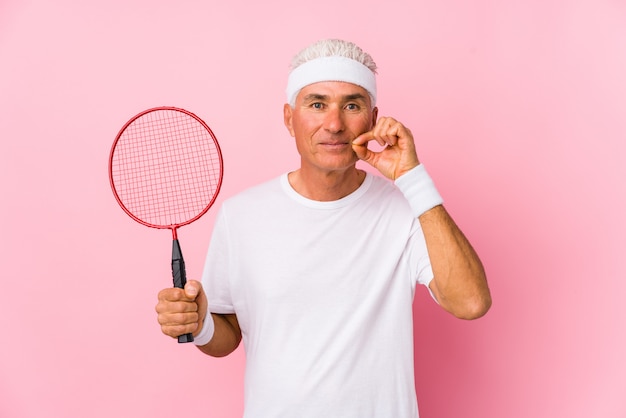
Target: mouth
(336, 147)
(335, 144)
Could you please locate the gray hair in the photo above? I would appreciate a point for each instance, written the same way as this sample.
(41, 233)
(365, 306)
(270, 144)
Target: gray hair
(333, 47)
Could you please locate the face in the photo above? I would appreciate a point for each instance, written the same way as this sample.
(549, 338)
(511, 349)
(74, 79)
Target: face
(326, 118)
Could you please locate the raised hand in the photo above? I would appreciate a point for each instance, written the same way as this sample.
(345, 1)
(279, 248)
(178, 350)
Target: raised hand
(398, 155)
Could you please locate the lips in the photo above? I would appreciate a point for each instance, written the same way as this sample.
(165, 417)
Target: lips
(335, 146)
(336, 143)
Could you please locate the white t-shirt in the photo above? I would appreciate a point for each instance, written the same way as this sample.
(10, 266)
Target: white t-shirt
(323, 293)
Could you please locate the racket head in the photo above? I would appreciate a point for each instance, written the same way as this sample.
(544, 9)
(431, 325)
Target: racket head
(165, 167)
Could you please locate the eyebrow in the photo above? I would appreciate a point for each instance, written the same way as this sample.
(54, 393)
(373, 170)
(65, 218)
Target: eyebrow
(323, 97)
(355, 96)
(314, 96)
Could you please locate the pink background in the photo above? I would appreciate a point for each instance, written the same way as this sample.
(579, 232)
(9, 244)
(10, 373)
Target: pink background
(519, 110)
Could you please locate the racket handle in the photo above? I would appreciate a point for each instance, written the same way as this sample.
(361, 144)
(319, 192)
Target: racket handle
(180, 278)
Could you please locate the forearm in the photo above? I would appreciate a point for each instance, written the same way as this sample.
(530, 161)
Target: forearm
(459, 283)
(226, 336)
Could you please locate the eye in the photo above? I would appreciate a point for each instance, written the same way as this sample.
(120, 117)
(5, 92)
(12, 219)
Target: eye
(317, 105)
(352, 106)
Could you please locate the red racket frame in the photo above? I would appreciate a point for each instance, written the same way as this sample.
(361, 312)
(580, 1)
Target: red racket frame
(173, 227)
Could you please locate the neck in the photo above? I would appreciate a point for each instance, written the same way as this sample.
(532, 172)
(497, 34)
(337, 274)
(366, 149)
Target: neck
(328, 186)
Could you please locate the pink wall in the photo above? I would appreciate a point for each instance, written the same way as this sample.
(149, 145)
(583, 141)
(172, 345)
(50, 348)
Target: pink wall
(519, 109)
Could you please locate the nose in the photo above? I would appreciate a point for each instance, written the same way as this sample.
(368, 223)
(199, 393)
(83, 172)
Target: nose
(333, 121)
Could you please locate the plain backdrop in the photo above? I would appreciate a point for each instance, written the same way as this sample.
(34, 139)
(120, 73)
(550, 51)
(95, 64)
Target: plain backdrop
(519, 113)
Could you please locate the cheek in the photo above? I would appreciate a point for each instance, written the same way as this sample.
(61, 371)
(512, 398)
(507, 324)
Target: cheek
(305, 126)
(364, 124)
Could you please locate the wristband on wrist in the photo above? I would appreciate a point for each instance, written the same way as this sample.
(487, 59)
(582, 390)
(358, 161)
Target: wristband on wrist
(206, 333)
(419, 189)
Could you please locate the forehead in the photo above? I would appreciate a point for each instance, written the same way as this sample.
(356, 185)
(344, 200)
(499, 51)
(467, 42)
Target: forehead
(334, 90)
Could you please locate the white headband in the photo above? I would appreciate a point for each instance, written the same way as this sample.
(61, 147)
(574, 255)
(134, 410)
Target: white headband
(335, 68)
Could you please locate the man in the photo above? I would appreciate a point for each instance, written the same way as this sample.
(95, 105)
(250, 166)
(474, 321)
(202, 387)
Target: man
(317, 269)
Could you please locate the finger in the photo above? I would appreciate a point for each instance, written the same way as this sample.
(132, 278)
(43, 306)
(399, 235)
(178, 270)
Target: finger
(171, 294)
(176, 307)
(171, 308)
(362, 152)
(364, 138)
(175, 324)
(380, 132)
(394, 132)
(192, 289)
(180, 329)
(389, 131)
(177, 318)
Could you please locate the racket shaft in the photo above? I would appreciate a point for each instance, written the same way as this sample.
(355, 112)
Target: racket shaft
(180, 278)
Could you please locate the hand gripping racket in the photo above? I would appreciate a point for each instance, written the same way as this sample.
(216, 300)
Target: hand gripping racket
(166, 170)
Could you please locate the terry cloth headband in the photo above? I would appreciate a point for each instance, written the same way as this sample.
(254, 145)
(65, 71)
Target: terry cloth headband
(335, 68)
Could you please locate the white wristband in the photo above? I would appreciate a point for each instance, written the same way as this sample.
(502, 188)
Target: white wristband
(206, 333)
(419, 189)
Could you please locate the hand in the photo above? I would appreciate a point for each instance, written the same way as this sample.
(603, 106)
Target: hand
(398, 156)
(182, 311)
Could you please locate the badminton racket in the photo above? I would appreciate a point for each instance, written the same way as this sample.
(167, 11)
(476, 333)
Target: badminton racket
(165, 170)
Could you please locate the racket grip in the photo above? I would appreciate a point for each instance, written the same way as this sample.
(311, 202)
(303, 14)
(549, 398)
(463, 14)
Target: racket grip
(180, 278)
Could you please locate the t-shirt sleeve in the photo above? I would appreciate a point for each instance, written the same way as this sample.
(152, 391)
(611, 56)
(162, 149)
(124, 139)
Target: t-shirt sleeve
(215, 277)
(418, 255)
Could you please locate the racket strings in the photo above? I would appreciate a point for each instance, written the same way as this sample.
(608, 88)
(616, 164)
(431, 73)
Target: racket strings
(166, 168)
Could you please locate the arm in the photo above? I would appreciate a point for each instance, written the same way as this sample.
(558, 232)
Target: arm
(185, 310)
(226, 337)
(459, 282)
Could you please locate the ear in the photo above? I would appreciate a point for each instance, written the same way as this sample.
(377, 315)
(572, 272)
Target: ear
(374, 116)
(288, 118)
